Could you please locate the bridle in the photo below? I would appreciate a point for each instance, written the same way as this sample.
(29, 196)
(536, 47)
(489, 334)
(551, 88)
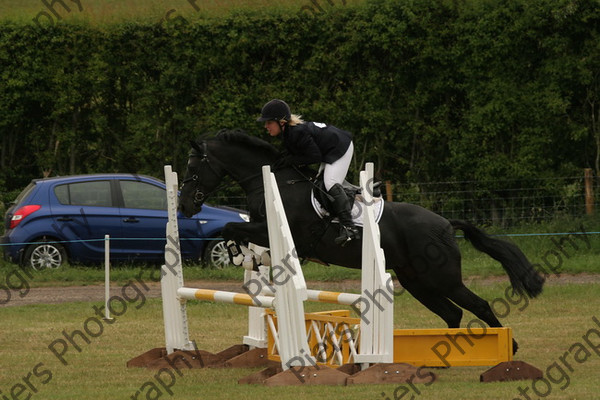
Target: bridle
(199, 195)
(200, 150)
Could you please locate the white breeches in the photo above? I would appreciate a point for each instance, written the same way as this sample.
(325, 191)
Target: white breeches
(336, 172)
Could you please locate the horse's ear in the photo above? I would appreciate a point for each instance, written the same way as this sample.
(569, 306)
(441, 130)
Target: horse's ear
(195, 146)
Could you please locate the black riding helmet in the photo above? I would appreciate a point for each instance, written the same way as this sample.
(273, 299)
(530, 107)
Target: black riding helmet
(275, 110)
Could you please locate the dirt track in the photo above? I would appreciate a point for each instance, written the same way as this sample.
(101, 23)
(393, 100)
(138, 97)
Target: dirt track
(53, 295)
(56, 295)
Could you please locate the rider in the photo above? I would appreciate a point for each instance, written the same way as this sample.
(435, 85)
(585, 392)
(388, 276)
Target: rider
(313, 142)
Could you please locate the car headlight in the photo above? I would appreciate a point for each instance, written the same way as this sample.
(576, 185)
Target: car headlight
(245, 217)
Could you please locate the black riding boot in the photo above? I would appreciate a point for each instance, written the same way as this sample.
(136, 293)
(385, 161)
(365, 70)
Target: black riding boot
(341, 208)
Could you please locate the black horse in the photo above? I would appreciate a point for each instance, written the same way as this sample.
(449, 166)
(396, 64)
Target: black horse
(419, 245)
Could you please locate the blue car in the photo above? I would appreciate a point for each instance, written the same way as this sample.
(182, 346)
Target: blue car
(55, 220)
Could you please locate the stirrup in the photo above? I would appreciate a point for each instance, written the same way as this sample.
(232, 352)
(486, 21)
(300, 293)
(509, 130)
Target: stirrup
(347, 234)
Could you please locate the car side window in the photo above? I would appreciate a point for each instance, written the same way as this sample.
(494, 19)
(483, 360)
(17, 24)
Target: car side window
(143, 195)
(94, 193)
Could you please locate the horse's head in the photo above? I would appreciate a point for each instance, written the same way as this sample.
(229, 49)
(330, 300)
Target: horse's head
(202, 177)
(232, 153)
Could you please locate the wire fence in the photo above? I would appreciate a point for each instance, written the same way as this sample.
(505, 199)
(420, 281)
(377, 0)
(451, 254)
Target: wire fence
(103, 239)
(503, 203)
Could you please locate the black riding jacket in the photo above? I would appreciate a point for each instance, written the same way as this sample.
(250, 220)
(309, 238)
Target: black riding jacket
(314, 142)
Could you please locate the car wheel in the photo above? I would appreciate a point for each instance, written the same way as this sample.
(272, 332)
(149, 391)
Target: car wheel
(45, 255)
(216, 255)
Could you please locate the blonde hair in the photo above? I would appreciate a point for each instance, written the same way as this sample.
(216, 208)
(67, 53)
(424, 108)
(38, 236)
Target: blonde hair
(295, 120)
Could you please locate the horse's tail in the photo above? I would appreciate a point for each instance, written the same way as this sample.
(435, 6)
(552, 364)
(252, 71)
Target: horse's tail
(522, 275)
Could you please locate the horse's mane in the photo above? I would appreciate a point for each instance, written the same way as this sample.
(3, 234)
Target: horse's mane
(241, 137)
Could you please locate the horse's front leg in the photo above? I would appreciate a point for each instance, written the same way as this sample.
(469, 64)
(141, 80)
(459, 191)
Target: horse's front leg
(238, 235)
(244, 232)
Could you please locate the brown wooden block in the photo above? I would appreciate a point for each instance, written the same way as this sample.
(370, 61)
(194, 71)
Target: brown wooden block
(511, 371)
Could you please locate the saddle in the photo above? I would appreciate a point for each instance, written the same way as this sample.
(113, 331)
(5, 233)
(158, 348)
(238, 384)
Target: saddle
(322, 204)
(249, 257)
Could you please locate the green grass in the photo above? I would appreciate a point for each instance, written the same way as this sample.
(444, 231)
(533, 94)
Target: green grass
(546, 329)
(571, 254)
(69, 275)
(115, 11)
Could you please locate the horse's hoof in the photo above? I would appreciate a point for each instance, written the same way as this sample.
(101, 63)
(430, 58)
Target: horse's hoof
(237, 260)
(250, 264)
(265, 258)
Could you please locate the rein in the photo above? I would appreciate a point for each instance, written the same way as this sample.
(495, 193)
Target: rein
(199, 196)
(312, 182)
(217, 169)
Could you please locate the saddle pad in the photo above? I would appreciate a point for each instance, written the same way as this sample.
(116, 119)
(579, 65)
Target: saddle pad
(357, 207)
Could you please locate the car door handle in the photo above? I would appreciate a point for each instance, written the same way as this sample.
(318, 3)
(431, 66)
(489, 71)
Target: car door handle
(64, 219)
(131, 219)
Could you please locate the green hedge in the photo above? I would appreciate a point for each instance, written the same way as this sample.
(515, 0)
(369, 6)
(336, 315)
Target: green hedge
(432, 90)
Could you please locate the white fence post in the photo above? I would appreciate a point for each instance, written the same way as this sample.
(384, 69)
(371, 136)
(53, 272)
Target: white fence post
(257, 327)
(288, 280)
(174, 310)
(107, 277)
(377, 312)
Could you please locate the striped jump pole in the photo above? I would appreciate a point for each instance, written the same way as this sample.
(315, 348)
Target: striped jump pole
(225, 297)
(324, 296)
(265, 301)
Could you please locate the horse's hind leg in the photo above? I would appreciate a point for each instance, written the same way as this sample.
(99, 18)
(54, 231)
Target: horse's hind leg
(438, 304)
(468, 300)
